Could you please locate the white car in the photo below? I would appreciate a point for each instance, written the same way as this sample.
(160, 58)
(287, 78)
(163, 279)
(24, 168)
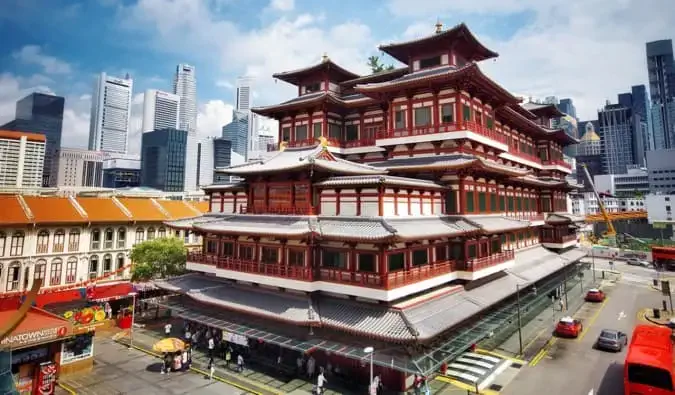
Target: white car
(638, 262)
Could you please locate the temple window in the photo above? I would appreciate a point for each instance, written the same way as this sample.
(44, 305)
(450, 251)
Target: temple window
(317, 129)
(546, 204)
(334, 259)
(457, 252)
(211, 247)
(451, 202)
(482, 202)
(301, 195)
(502, 203)
(511, 204)
(280, 196)
(396, 261)
(399, 118)
(334, 131)
(466, 112)
(447, 113)
(351, 132)
(472, 251)
(519, 204)
(246, 252)
(313, 87)
(286, 134)
(441, 253)
(493, 202)
(228, 249)
(489, 122)
(367, 262)
(420, 257)
(430, 62)
(470, 207)
(296, 257)
(301, 132)
(422, 116)
(269, 255)
(479, 117)
(496, 246)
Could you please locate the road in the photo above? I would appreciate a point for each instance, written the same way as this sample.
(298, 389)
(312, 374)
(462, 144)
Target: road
(118, 370)
(637, 275)
(572, 366)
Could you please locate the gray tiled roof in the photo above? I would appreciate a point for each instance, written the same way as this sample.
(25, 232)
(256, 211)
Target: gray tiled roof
(433, 316)
(190, 222)
(426, 161)
(349, 227)
(432, 226)
(234, 185)
(379, 179)
(491, 223)
(536, 263)
(271, 304)
(298, 158)
(539, 181)
(365, 318)
(418, 75)
(574, 254)
(263, 224)
(562, 218)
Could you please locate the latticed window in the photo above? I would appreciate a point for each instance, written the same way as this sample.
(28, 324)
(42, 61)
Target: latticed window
(286, 134)
(13, 275)
(334, 131)
(496, 245)
(73, 240)
(71, 270)
(16, 246)
(351, 132)
(396, 261)
(280, 195)
(140, 234)
(502, 204)
(55, 272)
(93, 267)
(301, 132)
(420, 257)
(296, 257)
(482, 204)
(470, 208)
(107, 264)
(519, 204)
(121, 237)
(228, 249)
(489, 122)
(466, 112)
(59, 240)
(269, 255)
(151, 233)
(493, 202)
(422, 116)
(399, 118)
(441, 253)
(246, 252)
(367, 262)
(334, 259)
(448, 113)
(40, 270)
(95, 239)
(3, 241)
(108, 238)
(510, 200)
(472, 251)
(451, 202)
(43, 242)
(317, 129)
(161, 233)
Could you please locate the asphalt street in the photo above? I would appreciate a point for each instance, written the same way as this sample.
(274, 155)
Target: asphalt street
(572, 366)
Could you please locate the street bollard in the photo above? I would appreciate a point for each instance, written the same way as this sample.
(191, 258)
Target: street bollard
(665, 305)
(603, 274)
(656, 313)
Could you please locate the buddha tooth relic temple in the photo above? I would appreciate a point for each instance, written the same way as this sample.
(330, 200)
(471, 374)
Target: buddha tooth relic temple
(402, 210)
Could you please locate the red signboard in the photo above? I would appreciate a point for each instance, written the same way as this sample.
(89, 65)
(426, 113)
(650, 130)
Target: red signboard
(46, 379)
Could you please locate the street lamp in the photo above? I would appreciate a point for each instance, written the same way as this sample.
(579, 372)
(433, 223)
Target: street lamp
(371, 351)
(133, 314)
(520, 333)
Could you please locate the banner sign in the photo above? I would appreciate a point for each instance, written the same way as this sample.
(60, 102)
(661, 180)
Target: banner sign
(37, 336)
(236, 339)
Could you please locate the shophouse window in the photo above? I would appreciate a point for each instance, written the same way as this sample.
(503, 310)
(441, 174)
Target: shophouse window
(420, 257)
(121, 238)
(3, 242)
(74, 240)
(269, 255)
(367, 262)
(71, 270)
(108, 237)
(140, 234)
(107, 264)
(120, 261)
(16, 246)
(296, 257)
(301, 132)
(55, 272)
(351, 132)
(59, 240)
(423, 116)
(448, 113)
(151, 233)
(43, 242)
(161, 233)
(93, 267)
(13, 273)
(95, 239)
(399, 118)
(334, 259)
(396, 261)
(40, 270)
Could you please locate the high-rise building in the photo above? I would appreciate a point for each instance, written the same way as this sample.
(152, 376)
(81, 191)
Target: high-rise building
(110, 114)
(222, 158)
(567, 106)
(121, 171)
(185, 86)
(589, 152)
(160, 110)
(643, 109)
(163, 159)
(80, 168)
(41, 113)
(237, 132)
(198, 163)
(616, 135)
(244, 86)
(661, 71)
(22, 158)
(661, 170)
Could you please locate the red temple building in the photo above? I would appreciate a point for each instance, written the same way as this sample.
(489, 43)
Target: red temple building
(402, 210)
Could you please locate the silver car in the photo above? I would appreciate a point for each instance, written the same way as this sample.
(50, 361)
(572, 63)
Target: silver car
(611, 340)
(638, 262)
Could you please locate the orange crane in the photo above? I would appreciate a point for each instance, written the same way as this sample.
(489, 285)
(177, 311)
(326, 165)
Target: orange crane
(611, 232)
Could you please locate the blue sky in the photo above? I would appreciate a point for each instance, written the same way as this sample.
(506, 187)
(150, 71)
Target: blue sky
(547, 47)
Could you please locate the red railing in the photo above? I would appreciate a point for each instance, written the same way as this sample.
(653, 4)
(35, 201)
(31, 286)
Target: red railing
(556, 162)
(364, 142)
(308, 210)
(526, 216)
(442, 128)
(253, 267)
(476, 264)
(559, 239)
(523, 155)
(386, 280)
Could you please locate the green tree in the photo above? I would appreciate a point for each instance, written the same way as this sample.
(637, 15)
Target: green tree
(377, 66)
(158, 258)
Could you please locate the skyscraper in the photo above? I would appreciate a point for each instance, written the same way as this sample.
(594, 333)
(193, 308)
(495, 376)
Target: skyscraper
(21, 159)
(244, 93)
(160, 110)
(567, 106)
(237, 132)
(110, 114)
(185, 86)
(163, 159)
(661, 71)
(616, 126)
(42, 113)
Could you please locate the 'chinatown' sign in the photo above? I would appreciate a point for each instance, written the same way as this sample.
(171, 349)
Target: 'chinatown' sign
(37, 336)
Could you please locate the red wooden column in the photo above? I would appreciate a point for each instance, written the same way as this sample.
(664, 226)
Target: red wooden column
(435, 112)
(358, 201)
(234, 203)
(462, 196)
(382, 267)
(222, 201)
(380, 200)
(210, 202)
(409, 115)
(324, 126)
(337, 202)
(284, 249)
(292, 136)
(310, 127)
(361, 126)
(352, 262)
(459, 120)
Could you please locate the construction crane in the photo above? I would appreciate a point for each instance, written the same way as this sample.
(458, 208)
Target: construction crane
(611, 232)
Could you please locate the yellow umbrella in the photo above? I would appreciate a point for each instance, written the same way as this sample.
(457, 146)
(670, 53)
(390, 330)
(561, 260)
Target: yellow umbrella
(170, 344)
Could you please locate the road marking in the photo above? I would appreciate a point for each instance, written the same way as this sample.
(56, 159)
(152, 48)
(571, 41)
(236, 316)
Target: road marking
(592, 320)
(622, 315)
(517, 360)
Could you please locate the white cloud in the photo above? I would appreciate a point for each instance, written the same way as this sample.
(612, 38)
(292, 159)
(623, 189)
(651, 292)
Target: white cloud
(32, 54)
(213, 115)
(224, 84)
(418, 8)
(282, 5)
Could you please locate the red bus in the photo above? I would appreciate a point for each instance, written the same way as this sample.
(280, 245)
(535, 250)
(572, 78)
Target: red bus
(663, 257)
(649, 362)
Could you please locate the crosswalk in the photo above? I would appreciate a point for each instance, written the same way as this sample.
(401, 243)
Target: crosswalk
(475, 369)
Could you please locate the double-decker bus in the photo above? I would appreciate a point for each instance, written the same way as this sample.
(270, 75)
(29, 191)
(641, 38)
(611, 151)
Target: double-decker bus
(648, 369)
(663, 258)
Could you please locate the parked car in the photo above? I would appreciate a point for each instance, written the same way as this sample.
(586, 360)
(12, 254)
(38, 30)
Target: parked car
(568, 327)
(639, 262)
(611, 340)
(595, 295)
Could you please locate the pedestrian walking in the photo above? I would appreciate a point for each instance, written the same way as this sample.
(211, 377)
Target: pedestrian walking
(417, 384)
(212, 368)
(299, 362)
(228, 357)
(240, 363)
(320, 382)
(185, 359)
(167, 329)
(212, 345)
(311, 365)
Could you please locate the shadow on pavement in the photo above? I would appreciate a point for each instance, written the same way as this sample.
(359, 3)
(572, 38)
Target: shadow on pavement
(154, 367)
(612, 381)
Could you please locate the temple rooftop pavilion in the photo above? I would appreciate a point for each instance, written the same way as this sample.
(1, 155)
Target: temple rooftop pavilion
(401, 210)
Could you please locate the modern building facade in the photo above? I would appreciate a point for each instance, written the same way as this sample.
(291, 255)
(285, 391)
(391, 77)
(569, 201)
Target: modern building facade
(661, 72)
(110, 114)
(589, 153)
(185, 86)
(237, 132)
(160, 110)
(634, 182)
(41, 113)
(660, 208)
(661, 170)
(163, 159)
(80, 168)
(616, 136)
(244, 94)
(566, 106)
(22, 158)
(222, 158)
(199, 157)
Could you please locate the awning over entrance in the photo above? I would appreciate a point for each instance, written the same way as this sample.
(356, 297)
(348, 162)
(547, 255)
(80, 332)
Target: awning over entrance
(104, 293)
(38, 326)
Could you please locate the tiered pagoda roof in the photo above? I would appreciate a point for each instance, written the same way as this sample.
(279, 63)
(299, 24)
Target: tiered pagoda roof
(448, 162)
(334, 71)
(543, 109)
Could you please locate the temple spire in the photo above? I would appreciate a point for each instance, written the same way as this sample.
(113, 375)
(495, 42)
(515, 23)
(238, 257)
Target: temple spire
(439, 26)
(324, 58)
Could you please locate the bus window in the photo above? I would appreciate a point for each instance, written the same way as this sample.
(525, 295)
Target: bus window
(650, 376)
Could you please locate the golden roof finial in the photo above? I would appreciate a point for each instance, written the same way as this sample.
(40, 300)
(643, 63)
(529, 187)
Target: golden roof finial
(439, 26)
(282, 146)
(323, 142)
(324, 58)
